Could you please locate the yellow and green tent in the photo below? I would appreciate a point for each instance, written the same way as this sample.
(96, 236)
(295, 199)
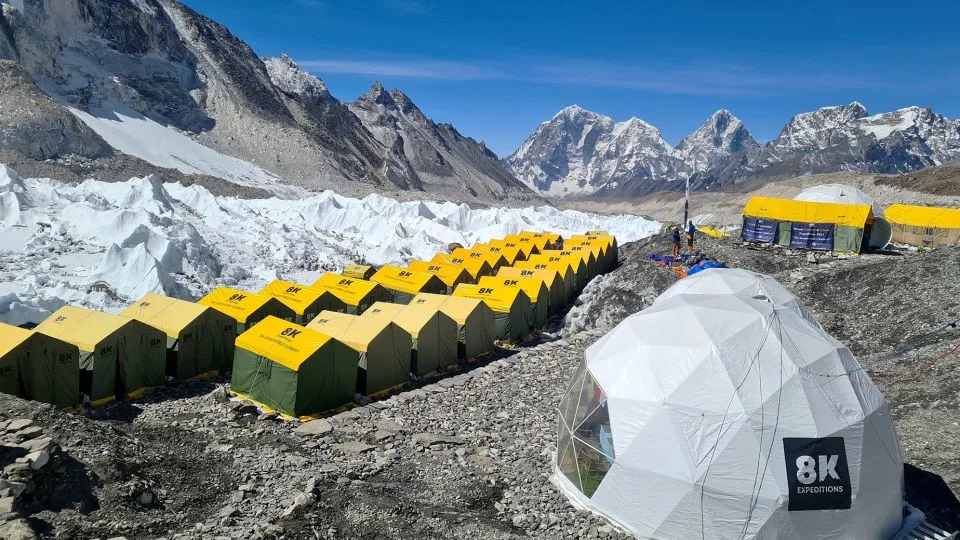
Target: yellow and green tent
(404, 283)
(924, 225)
(551, 279)
(294, 370)
(475, 266)
(563, 271)
(512, 313)
(199, 338)
(356, 294)
(358, 271)
(543, 240)
(535, 289)
(590, 256)
(384, 348)
(39, 367)
(604, 249)
(807, 225)
(305, 301)
(119, 357)
(434, 334)
(246, 308)
(525, 243)
(493, 259)
(574, 262)
(511, 253)
(474, 319)
(451, 275)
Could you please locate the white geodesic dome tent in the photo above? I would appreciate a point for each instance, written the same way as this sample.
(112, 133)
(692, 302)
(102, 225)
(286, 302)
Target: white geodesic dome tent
(881, 232)
(738, 281)
(721, 416)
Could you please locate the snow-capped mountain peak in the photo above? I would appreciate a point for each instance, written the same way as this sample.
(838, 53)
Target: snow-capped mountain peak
(291, 79)
(721, 135)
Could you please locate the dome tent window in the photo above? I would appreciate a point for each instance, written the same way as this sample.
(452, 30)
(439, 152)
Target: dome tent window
(585, 442)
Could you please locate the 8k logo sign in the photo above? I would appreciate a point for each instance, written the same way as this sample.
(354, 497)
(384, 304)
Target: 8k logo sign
(817, 473)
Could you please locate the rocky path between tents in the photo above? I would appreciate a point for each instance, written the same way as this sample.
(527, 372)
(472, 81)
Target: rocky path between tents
(470, 456)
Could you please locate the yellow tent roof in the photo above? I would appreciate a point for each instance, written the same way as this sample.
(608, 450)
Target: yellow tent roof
(594, 248)
(854, 215)
(411, 317)
(235, 303)
(403, 280)
(82, 327)
(284, 342)
(355, 331)
(553, 257)
(574, 258)
(294, 295)
(491, 258)
(360, 271)
(510, 251)
(526, 244)
(349, 290)
(923, 216)
(541, 238)
(499, 298)
(473, 266)
(457, 308)
(604, 241)
(164, 313)
(547, 276)
(11, 336)
(450, 274)
(558, 267)
(531, 286)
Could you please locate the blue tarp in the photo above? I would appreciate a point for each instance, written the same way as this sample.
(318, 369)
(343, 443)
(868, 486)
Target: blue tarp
(812, 236)
(759, 230)
(703, 266)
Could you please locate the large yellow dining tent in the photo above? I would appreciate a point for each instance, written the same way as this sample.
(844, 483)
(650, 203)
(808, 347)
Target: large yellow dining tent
(924, 225)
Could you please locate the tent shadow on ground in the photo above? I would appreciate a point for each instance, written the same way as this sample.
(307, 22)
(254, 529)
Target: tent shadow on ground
(931, 494)
(128, 410)
(71, 489)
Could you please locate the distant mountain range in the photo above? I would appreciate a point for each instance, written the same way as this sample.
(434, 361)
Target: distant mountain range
(158, 87)
(580, 153)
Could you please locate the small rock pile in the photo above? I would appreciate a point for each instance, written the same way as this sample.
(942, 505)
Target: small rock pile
(26, 453)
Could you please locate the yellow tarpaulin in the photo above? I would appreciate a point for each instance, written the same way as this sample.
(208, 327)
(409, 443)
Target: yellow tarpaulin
(500, 299)
(359, 271)
(411, 317)
(349, 290)
(510, 251)
(853, 215)
(81, 327)
(450, 274)
(712, 232)
(456, 307)
(549, 277)
(493, 260)
(407, 281)
(543, 240)
(284, 342)
(476, 266)
(526, 244)
(534, 288)
(11, 336)
(236, 303)
(164, 313)
(923, 216)
(552, 257)
(294, 295)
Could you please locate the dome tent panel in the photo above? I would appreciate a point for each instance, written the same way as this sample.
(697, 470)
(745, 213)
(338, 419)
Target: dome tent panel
(671, 452)
(119, 357)
(305, 301)
(38, 367)
(356, 294)
(199, 338)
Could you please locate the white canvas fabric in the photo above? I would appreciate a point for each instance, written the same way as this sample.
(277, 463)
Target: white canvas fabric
(694, 419)
(880, 231)
(738, 281)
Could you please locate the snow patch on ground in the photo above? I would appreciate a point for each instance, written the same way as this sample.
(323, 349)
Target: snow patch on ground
(104, 244)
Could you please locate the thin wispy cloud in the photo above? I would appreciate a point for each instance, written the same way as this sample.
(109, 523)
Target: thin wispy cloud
(408, 69)
(691, 79)
(413, 7)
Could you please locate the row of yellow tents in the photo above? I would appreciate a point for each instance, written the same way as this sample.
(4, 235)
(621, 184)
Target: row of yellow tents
(303, 349)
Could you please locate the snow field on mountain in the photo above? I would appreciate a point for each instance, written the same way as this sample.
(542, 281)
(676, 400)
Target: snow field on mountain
(104, 245)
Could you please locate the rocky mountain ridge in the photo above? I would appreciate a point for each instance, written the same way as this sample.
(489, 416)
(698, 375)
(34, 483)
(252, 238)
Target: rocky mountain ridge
(126, 67)
(569, 155)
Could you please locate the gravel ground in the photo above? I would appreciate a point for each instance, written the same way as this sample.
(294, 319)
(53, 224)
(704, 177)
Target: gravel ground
(469, 456)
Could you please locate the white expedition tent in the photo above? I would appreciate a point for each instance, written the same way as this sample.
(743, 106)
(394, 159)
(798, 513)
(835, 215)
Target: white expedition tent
(722, 416)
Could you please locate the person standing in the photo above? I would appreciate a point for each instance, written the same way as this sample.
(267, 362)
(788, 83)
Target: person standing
(690, 230)
(676, 240)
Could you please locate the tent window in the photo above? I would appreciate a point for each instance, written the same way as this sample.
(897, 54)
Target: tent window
(568, 465)
(585, 422)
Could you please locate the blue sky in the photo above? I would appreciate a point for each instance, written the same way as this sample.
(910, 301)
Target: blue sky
(497, 69)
